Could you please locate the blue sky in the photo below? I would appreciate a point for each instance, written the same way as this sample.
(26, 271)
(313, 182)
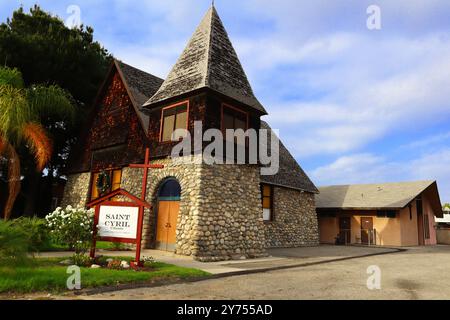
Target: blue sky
(353, 105)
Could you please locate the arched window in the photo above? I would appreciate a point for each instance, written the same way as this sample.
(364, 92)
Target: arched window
(170, 190)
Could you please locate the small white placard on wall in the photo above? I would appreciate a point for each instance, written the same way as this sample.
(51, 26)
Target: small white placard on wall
(267, 214)
(118, 222)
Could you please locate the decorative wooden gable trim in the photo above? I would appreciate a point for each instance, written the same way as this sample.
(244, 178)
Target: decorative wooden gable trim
(119, 192)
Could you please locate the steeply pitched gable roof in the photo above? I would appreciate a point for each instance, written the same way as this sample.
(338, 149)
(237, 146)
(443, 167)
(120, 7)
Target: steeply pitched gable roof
(208, 61)
(376, 196)
(140, 85)
(290, 174)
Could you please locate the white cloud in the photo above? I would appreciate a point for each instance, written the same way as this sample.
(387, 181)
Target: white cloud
(331, 85)
(273, 50)
(368, 168)
(351, 169)
(155, 59)
(428, 141)
(363, 98)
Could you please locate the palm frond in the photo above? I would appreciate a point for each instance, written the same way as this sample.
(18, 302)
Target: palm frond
(39, 143)
(52, 100)
(14, 112)
(11, 77)
(13, 179)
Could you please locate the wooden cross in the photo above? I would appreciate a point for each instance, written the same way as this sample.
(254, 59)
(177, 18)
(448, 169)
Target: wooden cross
(146, 166)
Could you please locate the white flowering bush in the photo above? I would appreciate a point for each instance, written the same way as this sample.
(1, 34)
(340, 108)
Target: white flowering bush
(72, 227)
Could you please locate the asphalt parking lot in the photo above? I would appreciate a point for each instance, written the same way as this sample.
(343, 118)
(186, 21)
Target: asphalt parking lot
(417, 273)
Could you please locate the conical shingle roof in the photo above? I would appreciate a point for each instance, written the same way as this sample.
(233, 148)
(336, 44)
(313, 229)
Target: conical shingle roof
(208, 61)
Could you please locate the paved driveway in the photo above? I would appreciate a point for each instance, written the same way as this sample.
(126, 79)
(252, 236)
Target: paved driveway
(277, 258)
(419, 273)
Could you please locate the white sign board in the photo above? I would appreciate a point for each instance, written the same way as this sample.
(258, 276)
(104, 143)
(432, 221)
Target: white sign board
(118, 222)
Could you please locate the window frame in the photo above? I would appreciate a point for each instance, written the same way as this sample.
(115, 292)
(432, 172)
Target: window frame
(387, 214)
(161, 129)
(110, 171)
(272, 193)
(234, 111)
(222, 112)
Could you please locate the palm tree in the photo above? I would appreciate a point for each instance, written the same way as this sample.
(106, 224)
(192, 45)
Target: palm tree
(21, 110)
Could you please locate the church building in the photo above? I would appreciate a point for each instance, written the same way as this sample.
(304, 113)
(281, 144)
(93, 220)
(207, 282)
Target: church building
(210, 212)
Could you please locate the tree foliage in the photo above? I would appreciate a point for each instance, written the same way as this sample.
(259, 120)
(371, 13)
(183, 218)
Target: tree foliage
(46, 51)
(21, 110)
(56, 57)
(52, 58)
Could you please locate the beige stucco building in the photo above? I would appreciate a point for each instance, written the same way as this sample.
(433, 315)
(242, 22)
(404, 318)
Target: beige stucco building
(389, 214)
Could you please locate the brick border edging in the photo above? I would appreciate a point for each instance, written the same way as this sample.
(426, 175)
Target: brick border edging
(106, 289)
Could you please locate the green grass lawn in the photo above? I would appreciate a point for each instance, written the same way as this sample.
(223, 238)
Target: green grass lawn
(52, 247)
(46, 275)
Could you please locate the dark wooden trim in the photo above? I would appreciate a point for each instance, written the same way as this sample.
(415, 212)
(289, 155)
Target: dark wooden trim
(272, 203)
(90, 186)
(110, 170)
(154, 106)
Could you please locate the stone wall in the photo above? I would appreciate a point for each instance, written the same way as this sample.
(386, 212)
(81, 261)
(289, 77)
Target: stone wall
(76, 190)
(188, 175)
(220, 209)
(230, 220)
(295, 220)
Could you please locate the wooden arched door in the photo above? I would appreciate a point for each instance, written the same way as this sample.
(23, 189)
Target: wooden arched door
(167, 215)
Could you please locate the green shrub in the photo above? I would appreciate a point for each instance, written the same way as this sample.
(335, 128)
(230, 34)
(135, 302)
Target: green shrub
(14, 243)
(72, 227)
(36, 231)
(81, 260)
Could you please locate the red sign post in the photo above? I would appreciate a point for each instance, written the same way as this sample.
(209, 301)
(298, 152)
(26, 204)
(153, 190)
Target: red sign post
(120, 217)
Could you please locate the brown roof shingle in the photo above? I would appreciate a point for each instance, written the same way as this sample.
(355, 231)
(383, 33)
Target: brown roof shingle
(141, 85)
